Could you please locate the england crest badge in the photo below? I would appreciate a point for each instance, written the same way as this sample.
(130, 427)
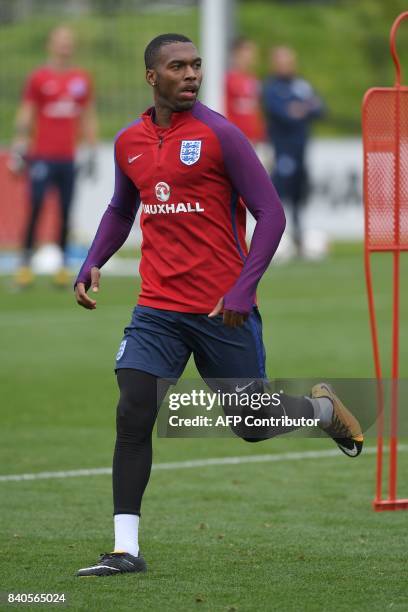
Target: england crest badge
(121, 350)
(190, 151)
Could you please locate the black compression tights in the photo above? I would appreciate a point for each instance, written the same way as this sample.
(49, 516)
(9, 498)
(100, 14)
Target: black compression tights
(135, 418)
(136, 415)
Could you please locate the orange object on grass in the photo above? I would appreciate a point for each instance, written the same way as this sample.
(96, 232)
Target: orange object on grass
(385, 140)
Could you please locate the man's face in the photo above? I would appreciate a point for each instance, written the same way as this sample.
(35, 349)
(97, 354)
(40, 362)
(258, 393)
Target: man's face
(283, 62)
(62, 43)
(177, 75)
(246, 56)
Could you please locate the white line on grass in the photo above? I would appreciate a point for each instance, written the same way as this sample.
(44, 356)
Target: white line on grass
(195, 463)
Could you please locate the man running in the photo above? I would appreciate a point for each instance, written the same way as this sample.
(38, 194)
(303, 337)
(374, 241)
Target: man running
(193, 174)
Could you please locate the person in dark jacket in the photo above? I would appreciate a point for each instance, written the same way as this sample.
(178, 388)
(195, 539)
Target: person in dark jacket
(290, 105)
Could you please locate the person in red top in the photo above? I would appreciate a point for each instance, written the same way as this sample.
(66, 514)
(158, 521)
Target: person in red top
(243, 91)
(192, 173)
(57, 109)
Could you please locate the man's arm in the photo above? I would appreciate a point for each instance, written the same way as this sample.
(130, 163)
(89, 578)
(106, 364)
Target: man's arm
(24, 123)
(112, 232)
(251, 181)
(89, 125)
(278, 107)
(317, 109)
(89, 137)
(294, 111)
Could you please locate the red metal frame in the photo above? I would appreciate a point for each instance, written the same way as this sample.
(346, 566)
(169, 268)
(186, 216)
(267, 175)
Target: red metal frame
(395, 247)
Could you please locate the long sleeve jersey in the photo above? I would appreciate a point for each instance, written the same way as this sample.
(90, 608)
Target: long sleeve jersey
(192, 181)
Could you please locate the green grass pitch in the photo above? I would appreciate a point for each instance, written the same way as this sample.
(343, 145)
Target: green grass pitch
(280, 536)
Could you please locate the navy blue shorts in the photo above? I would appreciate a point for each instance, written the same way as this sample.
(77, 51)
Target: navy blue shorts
(46, 173)
(160, 342)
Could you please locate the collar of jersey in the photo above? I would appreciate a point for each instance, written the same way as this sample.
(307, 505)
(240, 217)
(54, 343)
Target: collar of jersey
(176, 119)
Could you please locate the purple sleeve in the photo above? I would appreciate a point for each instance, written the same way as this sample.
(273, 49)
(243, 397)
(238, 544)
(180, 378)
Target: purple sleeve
(251, 181)
(114, 227)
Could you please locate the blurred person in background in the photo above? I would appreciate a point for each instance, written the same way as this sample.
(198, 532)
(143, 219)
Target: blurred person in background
(290, 105)
(57, 110)
(243, 91)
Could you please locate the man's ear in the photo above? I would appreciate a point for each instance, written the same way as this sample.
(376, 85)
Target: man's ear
(151, 77)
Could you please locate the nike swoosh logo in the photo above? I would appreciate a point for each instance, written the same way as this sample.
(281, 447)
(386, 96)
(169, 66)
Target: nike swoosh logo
(351, 452)
(239, 389)
(132, 159)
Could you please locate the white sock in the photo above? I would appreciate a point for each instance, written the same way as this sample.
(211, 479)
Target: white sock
(323, 410)
(127, 533)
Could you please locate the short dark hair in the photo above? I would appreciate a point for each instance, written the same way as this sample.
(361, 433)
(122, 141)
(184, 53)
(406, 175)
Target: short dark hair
(239, 42)
(154, 46)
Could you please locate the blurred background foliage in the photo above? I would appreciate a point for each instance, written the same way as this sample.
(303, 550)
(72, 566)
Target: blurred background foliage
(343, 48)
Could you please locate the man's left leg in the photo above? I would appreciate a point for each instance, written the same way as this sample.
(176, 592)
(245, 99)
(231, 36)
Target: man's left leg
(238, 354)
(64, 181)
(298, 196)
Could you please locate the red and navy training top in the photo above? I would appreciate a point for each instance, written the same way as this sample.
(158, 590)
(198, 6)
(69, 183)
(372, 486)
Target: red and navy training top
(59, 97)
(192, 181)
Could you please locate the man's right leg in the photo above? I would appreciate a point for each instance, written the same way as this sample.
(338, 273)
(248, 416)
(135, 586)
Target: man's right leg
(39, 178)
(132, 461)
(39, 182)
(152, 348)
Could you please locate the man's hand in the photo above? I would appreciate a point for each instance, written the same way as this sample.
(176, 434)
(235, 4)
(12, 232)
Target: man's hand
(80, 293)
(231, 317)
(87, 163)
(16, 162)
(298, 110)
